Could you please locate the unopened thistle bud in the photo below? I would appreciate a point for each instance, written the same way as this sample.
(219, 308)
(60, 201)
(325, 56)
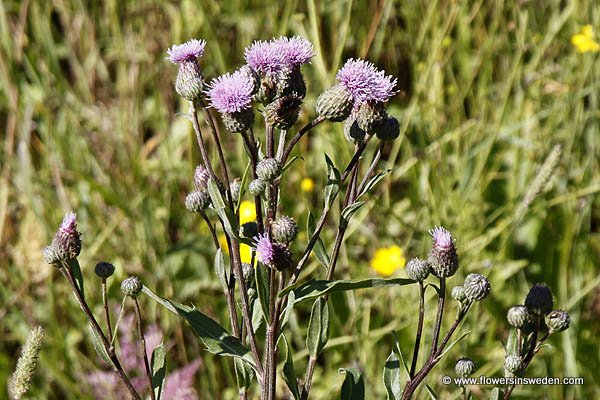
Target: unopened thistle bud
(539, 300)
(274, 255)
(104, 269)
(21, 379)
(443, 257)
(235, 188)
(189, 83)
(248, 272)
(283, 112)
(557, 320)
(131, 286)
(257, 187)
(389, 130)
(518, 316)
(197, 200)
(249, 229)
(512, 365)
(458, 293)
(284, 229)
(238, 122)
(335, 103)
(352, 131)
(292, 82)
(477, 287)
(66, 244)
(268, 169)
(201, 177)
(371, 116)
(417, 269)
(464, 367)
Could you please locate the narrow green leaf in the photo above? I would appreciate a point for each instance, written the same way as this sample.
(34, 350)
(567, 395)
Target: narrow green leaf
(289, 373)
(398, 351)
(432, 394)
(334, 179)
(244, 374)
(319, 248)
(76, 271)
(353, 387)
(289, 307)
(512, 345)
(312, 289)
(372, 182)
(391, 377)
(225, 213)
(451, 345)
(318, 328)
(220, 268)
(100, 349)
(159, 370)
(289, 163)
(243, 185)
(216, 338)
(262, 289)
(349, 211)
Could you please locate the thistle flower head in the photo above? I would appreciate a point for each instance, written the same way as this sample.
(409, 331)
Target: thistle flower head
(231, 93)
(477, 287)
(264, 249)
(104, 269)
(442, 238)
(295, 50)
(265, 57)
(201, 177)
(557, 320)
(417, 269)
(131, 286)
(66, 244)
(188, 51)
(365, 82)
(539, 300)
(464, 367)
(518, 316)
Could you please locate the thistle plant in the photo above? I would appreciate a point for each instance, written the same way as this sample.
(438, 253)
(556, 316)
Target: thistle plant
(532, 323)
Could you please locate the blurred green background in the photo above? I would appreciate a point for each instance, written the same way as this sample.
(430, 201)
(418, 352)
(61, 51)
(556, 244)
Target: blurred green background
(487, 90)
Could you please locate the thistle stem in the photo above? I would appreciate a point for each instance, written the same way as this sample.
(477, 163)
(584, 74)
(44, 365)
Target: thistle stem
(413, 365)
(138, 314)
(440, 314)
(106, 312)
(290, 146)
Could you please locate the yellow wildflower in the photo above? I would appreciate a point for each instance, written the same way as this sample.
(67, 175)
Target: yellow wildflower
(247, 212)
(387, 260)
(245, 250)
(307, 185)
(584, 42)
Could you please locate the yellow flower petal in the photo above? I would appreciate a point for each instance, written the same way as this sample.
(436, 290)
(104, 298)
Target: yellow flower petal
(588, 31)
(307, 185)
(247, 212)
(387, 260)
(584, 44)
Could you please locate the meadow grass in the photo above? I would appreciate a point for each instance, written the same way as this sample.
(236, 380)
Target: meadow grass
(488, 90)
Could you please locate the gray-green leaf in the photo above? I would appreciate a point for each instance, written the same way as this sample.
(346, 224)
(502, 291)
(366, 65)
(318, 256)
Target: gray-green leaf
(99, 347)
(159, 370)
(318, 328)
(391, 377)
(261, 274)
(334, 179)
(289, 373)
(220, 268)
(319, 248)
(353, 387)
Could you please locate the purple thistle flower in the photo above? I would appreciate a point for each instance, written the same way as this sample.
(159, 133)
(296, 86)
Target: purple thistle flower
(265, 57)
(188, 51)
(296, 50)
(365, 82)
(442, 238)
(231, 93)
(264, 249)
(68, 225)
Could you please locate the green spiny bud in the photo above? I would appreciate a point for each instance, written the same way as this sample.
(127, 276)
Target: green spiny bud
(248, 272)
(189, 83)
(268, 169)
(283, 112)
(443, 257)
(197, 200)
(284, 229)
(335, 103)
(104, 269)
(238, 122)
(477, 287)
(257, 187)
(518, 316)
(131, 286)
(249, 230)
(352, 131)
(464, 367)
(21, 378)
(389, 130)
(417, 269)
(458, 293)
(512, 365)
(235, 188)
(539, 300)
(371, 116)
(557, 320)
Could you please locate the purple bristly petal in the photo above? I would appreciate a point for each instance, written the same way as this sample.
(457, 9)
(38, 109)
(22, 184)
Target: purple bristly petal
(265, 57)
(264, 249)
(365, 82)
(190, 50)
(442, 238)
(231, 92)
(295, 50)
